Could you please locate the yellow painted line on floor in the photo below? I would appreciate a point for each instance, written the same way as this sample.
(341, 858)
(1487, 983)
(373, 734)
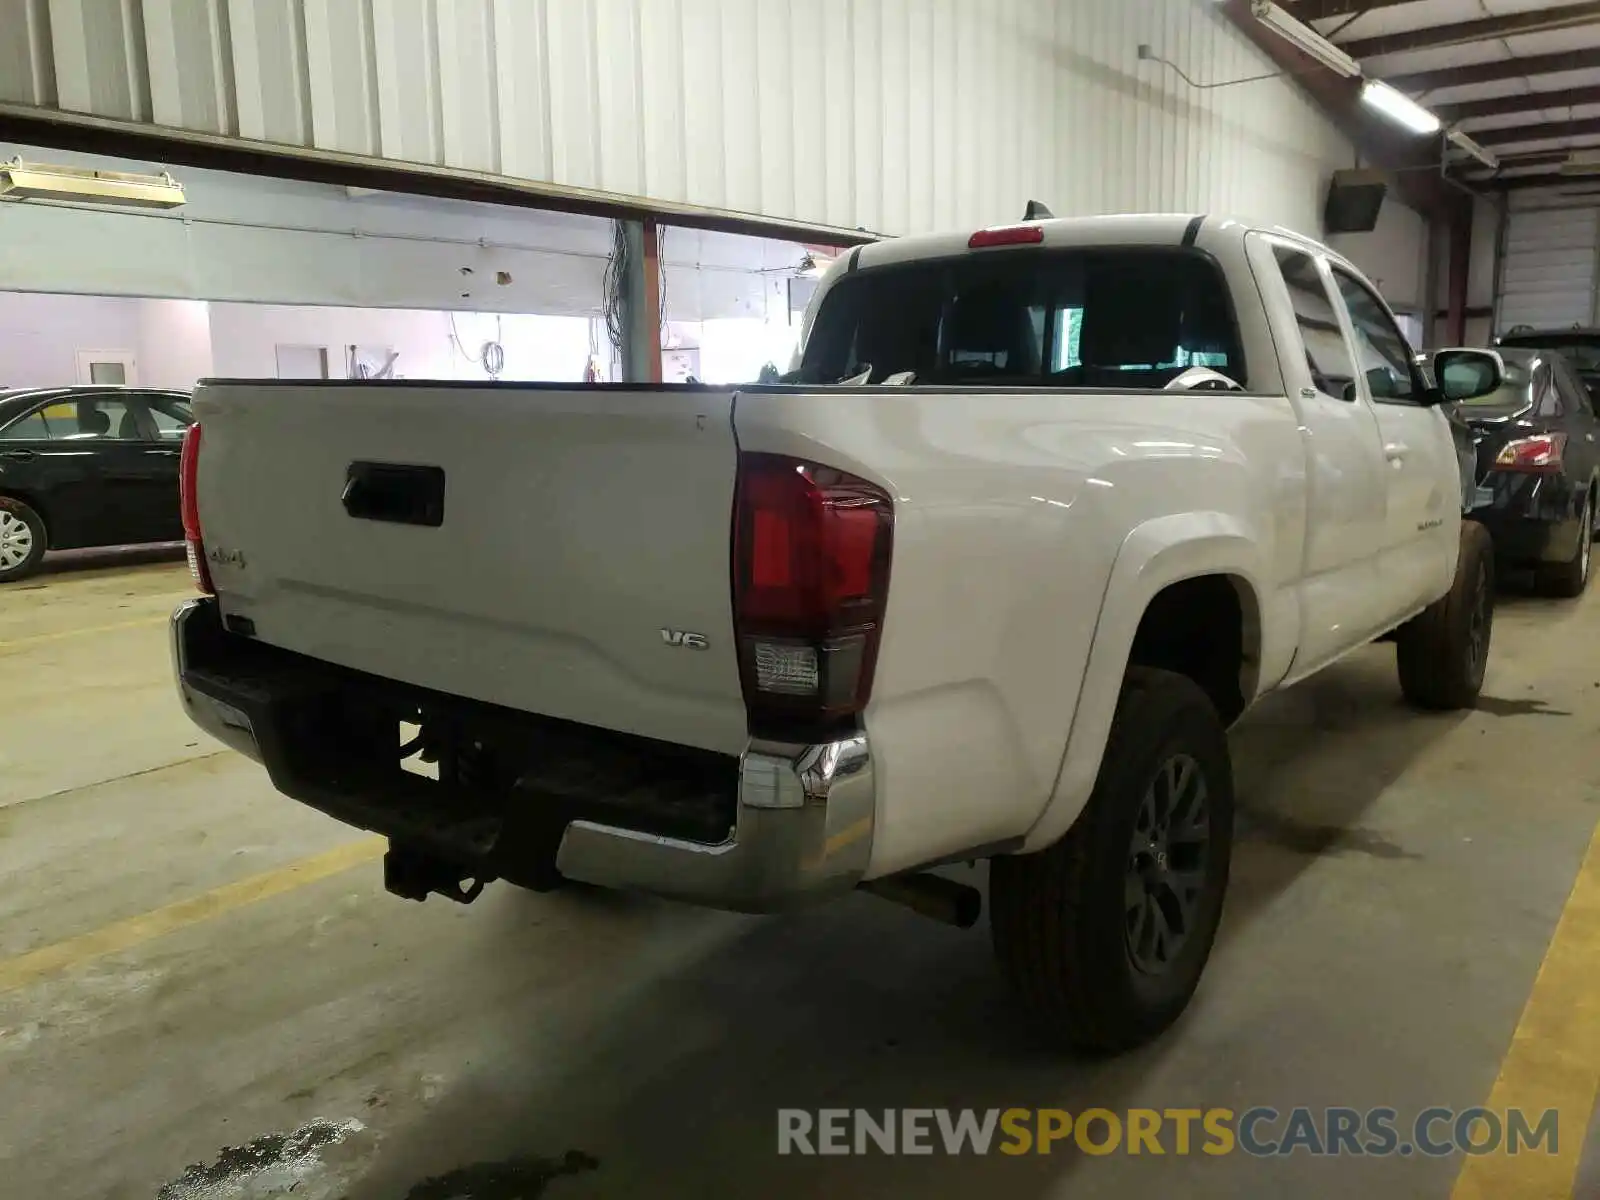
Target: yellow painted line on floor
(38, 964)
(1554, 1060)
(33, 639)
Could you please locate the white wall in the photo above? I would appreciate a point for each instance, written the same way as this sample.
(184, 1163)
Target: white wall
(174, 342)
(245, 337)
(1394, 255)
(279, 241)
(41, 335)
(895, 115)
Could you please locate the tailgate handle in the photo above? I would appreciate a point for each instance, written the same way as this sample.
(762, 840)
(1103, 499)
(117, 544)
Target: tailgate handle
(394, 492)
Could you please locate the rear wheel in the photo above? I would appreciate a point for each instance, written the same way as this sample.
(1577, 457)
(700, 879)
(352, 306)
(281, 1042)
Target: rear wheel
(22, 539)
(1442, 651)
(1569, 579)
(1103, 936)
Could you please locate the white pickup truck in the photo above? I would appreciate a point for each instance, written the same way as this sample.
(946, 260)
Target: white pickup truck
(1044, 509)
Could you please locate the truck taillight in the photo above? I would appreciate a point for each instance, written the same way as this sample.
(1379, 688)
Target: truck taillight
(1541, 453)
(189, 506)
(810, 582)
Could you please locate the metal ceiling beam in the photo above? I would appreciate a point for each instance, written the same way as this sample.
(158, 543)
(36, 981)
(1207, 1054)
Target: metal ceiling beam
(1494, 72)
(1503, 106)
(88, 134)
(1584, 127)
(1568, 16)
(1413, 160)
(1317, 10)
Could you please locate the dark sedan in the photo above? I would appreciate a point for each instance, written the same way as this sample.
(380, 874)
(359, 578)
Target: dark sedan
(1538, 467)
(1579, 345)
(87, 466)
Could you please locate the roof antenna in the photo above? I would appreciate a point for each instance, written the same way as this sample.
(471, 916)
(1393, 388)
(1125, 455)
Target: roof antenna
(1037, 212)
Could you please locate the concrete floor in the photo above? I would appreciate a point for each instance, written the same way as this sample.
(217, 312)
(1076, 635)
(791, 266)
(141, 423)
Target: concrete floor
(168, 1032)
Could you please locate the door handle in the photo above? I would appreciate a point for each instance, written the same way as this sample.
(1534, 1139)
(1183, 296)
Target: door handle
(165, 453)
(19, 455)
(1395, 452)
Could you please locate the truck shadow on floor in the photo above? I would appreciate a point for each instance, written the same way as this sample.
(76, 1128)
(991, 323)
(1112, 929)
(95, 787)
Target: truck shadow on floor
(672, 1089)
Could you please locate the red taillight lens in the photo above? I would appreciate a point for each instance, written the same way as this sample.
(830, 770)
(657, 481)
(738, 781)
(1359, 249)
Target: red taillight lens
(811, 578)
(189, 506)
(1006, 235)
(1542, 453)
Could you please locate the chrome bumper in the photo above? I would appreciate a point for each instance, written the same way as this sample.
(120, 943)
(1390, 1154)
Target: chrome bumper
(803, 824)
(804, 828)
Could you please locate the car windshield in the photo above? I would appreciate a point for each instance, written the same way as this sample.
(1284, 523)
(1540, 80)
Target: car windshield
(1115, 318)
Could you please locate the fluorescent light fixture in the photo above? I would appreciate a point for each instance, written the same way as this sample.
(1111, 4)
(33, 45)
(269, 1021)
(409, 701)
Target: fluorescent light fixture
(1462, 142)
(1398, 107)
(1305, 38)
(40, 181)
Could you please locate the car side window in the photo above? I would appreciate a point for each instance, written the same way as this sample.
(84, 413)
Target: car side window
(31, 428)
(1573, 395)
(1328, 355)
(104, 418)
(1384, 357)
(171, 417)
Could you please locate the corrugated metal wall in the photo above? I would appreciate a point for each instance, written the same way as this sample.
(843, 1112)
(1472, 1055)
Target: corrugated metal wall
(893, 115)
(1550, 270)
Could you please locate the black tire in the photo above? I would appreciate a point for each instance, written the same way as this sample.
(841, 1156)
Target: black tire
(1442, 651)
(1570, 578)
(1062, 920)
(32, 539)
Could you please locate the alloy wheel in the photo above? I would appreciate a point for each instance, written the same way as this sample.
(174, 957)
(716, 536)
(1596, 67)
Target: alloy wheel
(1167, 860)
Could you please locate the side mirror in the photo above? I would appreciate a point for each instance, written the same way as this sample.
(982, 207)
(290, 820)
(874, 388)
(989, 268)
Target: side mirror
(1467, 374)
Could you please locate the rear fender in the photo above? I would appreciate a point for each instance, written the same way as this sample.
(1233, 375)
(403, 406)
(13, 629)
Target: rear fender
(1154, 556)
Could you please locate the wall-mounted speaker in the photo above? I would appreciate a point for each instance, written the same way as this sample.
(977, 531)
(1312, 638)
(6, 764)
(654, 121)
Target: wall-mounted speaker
(1354, 198)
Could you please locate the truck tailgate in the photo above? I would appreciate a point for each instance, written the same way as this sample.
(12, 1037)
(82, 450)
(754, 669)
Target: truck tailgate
(581, 536)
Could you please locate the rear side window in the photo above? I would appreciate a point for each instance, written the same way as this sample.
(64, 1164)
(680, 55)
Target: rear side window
(1328, 356)
(31, 428)
(1115, 318)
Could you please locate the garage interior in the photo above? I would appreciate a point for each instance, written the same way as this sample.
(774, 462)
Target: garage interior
(206, 992)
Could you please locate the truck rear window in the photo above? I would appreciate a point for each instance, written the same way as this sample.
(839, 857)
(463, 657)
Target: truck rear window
(1111, 318)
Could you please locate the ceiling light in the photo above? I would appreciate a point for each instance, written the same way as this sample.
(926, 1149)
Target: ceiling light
(1305, 38)
(1462, 142)
(40, 181)
(1398, 107)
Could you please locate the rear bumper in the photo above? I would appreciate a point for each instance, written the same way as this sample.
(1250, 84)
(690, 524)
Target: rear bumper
(780, 825)
(1532, 518)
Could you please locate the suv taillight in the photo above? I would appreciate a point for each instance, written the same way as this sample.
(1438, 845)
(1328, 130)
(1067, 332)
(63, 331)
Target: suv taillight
(189, 506)
(810, 582)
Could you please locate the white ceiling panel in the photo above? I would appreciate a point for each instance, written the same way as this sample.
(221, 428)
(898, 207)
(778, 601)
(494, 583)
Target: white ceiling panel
(1553, 41)
(1501, 8)
(1436, 59)
(1400, 18)
(1480, 91)
(1503, 121)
